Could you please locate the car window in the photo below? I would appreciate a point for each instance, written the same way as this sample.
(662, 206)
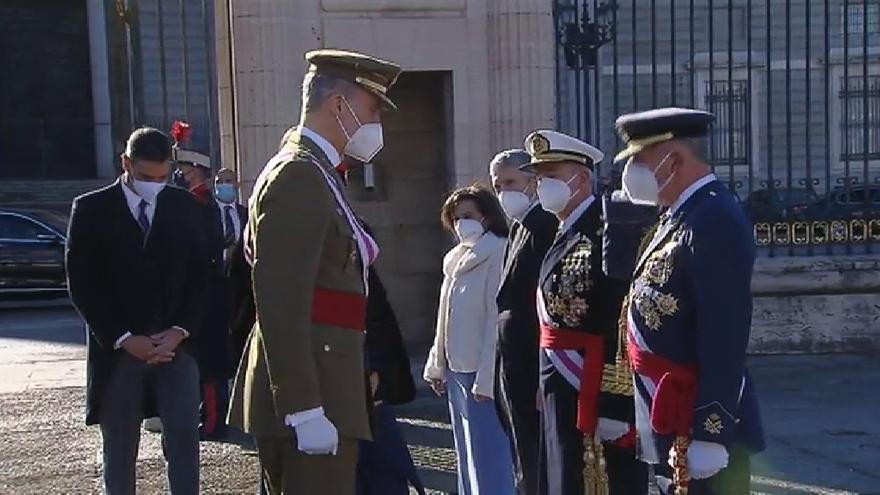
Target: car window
(875, 196)
(14, 227)
(57, 221)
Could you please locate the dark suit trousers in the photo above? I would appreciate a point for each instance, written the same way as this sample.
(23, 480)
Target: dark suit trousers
(518, 385)
(564, 448)
(174, 387)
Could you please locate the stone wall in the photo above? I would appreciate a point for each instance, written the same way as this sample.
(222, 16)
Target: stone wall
(816, 304)
(498, 53)
(494, 57)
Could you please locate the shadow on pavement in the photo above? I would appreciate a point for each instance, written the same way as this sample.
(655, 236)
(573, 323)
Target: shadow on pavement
(47, 324)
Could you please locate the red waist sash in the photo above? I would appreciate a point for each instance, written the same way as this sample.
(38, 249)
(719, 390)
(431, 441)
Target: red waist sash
(672, 410)
(339, 309)
(590, 375)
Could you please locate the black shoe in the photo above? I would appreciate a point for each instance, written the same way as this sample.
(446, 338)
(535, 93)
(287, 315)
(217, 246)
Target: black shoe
(218, 434)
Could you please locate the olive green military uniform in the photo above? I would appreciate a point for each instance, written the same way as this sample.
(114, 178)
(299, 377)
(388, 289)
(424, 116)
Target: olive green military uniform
(300, 242)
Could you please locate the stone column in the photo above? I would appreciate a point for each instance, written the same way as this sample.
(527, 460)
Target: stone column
(522, 69)
(101, 102)
(225, 108)
(268, 40)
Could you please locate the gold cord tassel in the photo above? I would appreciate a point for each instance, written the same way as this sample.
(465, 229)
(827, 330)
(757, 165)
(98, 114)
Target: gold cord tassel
(680, 477)
(617, 378)
(595, 472)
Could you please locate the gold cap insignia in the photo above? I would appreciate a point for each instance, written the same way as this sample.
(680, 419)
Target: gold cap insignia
(538, 144)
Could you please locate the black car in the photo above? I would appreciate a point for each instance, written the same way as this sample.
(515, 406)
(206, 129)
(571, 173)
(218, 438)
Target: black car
(31, 252)
(856, 201)
(779, 204)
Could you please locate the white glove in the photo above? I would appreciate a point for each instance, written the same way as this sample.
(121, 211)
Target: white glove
(317, 436)
(610, 430)
(706, 459)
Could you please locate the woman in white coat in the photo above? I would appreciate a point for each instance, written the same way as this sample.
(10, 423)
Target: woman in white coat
(462, 361)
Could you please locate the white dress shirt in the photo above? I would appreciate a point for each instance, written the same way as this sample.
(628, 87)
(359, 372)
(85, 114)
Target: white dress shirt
(522, 218)
(236, 220)
(133, 200)
(576, 214)
(322, 143)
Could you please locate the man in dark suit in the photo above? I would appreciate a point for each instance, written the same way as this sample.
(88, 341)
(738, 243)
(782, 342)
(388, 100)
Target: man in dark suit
(531, 234)
(194, 172)
(137, 274)
(225, 219)
(234, 216)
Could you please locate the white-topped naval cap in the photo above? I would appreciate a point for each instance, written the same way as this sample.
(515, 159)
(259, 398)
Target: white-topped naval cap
(548, 146)
(189, 156)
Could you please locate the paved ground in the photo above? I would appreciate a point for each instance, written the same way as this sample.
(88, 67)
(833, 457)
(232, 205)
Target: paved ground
(820, 413)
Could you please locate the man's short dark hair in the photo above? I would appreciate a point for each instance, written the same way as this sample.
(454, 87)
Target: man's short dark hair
(149, 144)
(699, 146)
(512, 158)
(317, 87)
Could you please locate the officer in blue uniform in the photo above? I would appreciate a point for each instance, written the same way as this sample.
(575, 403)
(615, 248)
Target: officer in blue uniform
(585, 385)
(690, 309)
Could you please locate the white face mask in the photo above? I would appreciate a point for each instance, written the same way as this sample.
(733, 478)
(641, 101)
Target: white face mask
(640, 183)
(554, 194)
(366, 141)
(468, 231)
(514, 203)
(147, 190)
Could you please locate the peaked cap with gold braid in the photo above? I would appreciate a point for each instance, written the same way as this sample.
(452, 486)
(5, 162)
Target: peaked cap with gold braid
(643, 129)
(371, 73)
(546, 146)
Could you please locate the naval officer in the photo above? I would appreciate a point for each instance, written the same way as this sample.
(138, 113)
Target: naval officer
(585, 382)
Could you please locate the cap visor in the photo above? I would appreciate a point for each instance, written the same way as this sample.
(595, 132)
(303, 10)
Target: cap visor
(387, 104)
(533, 165)
(628, 152)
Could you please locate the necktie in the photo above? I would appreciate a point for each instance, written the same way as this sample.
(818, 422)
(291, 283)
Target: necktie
(229, 238)
(142, 219)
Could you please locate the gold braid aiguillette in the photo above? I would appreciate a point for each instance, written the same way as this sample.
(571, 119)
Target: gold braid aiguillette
(595, 471)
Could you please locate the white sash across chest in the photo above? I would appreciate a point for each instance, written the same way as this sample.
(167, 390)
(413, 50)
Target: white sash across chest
(569, 363)
(368, 249)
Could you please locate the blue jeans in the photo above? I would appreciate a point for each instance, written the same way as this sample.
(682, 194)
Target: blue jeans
(482, 448)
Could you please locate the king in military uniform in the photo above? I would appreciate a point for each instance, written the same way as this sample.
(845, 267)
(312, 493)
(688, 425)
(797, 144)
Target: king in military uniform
(586, 394)
(689, 312)
(301, 386)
